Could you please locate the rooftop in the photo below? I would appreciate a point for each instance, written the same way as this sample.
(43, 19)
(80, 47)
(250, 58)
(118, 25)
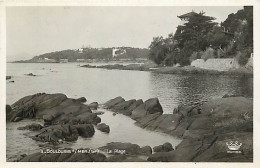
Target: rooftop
(187, 15)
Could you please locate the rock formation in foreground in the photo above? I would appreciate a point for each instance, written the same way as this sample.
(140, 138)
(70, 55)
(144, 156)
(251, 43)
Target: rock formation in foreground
(64, 118)
(205, 130)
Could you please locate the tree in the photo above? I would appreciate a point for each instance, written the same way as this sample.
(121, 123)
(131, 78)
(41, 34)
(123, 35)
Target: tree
(196, 29)
(158, 50)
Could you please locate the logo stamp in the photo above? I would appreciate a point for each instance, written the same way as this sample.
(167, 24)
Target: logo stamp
(233, 147)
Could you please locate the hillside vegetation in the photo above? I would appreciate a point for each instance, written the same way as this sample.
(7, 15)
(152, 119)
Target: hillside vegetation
(201, 37)
(93, 53)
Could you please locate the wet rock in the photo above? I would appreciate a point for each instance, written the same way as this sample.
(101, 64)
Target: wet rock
(99, 112)
(166, 147)
(16, 119)
(114, 114)
(103, 127)
(82, 99)
(123, 105)
(109, 104)
(150, 106)
(53, 109)
(93, 105)
(85, 130)
(147, 150)
(135, 105)
(31, 127)
(30, 74)
(56, 132)
(8, 77)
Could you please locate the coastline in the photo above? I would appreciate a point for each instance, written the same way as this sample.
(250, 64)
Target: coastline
(172, 70)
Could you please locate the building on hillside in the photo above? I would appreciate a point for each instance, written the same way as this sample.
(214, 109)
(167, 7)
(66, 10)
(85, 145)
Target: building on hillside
(47, 60)
(185, 17)
(81, 60)
(64, 60)
(81, 50)
(118, 51)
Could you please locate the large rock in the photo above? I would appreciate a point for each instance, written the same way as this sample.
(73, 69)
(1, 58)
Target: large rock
(57, 133)
(30, 74)
(109, 104)
(93, 105)
(166, 147)
(150, 106)
(123, 105)
(206, 133)
(8, 77)
(82, 99)
(103, 127)
(85, 130)
(53, 109)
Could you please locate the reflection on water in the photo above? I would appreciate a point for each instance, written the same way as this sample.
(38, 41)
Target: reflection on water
(190, 89)
(101, 85)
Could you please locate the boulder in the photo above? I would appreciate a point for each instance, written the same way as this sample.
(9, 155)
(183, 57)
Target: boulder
(85, 130)
(103, 127)
(31, 127)
(111, 103)
(150, 106)
(166, 147)
(16, 119)
(56, 133)
(123, 105)
(93, 105)
(98, 112)
(135, 105)
(30, 74)
(8, 77)
(82, 99)
(147, 150)
(126, 148)
(53, 109)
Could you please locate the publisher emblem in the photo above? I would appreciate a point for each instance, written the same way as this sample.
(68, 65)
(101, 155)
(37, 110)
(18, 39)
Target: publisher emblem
(233, 147)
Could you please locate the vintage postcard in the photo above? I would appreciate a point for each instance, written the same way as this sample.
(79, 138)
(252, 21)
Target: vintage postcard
(129, 82)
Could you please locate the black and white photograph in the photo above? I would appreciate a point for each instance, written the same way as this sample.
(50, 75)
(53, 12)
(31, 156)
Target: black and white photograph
(129, 83)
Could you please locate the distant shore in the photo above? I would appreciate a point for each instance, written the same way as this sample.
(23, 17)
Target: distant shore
(172, 69)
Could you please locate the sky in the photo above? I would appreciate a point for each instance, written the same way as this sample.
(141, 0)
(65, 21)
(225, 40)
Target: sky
(31, 31)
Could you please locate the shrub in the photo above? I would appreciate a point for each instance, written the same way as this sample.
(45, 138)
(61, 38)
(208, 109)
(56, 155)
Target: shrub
(242, 57)
(209, 53)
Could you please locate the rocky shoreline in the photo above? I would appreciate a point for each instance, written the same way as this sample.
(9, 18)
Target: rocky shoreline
(205, 130)
(172, 70)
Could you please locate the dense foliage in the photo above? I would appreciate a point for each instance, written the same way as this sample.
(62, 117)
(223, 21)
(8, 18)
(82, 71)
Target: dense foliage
(201, 37)
(94, 53)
